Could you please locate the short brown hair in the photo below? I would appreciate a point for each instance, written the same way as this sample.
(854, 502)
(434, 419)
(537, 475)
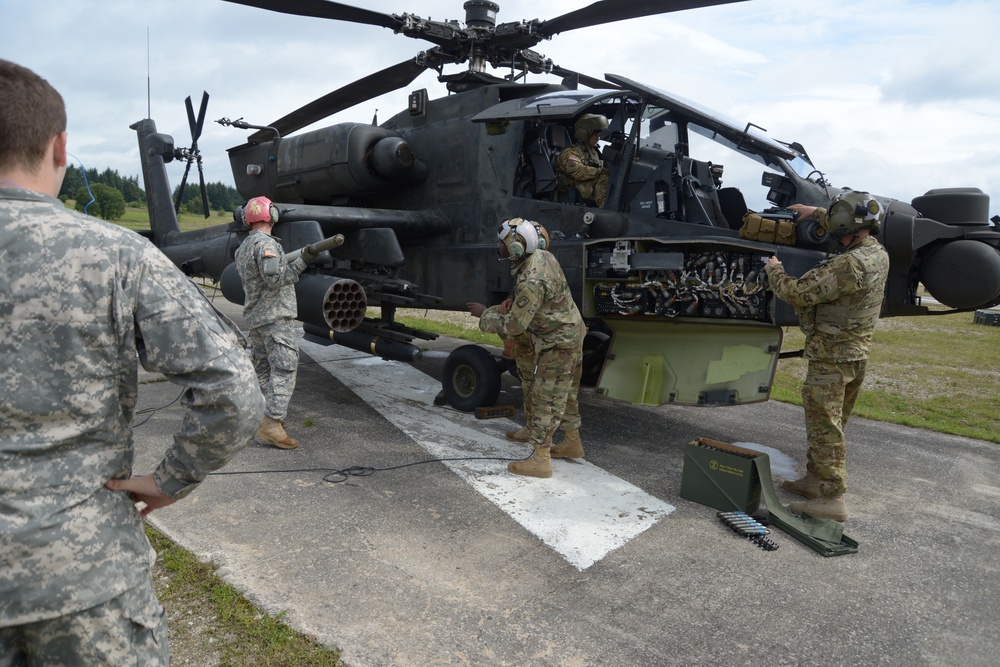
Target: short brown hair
(32, 113)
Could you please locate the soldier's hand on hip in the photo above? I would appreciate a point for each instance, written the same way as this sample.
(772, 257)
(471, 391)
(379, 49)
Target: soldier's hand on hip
(142, 490)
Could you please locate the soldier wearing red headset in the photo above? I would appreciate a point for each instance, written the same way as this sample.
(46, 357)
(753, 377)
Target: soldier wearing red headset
(270, 310)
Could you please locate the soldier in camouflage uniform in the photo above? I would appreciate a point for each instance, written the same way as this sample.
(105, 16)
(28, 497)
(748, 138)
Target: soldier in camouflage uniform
(82, 303)
(521, 349)
(270, 311)
(580, 166)
(543, 307)
(838, 304)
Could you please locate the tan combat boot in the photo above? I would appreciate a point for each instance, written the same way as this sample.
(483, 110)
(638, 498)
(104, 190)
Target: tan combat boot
(807, 486)
(520, 435)
(821, 508)
(569, 448)
(273, 431)
(538, 464)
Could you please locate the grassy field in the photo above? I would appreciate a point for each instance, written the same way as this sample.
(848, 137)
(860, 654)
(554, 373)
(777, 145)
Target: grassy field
(936, 372)
(137, 218)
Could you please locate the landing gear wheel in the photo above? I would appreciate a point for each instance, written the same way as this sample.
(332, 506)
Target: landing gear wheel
(471, 378)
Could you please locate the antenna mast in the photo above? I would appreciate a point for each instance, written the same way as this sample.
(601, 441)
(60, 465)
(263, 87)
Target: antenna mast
(149, 110)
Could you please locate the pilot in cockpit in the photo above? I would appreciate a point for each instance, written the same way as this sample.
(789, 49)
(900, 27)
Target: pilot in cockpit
(581, 166)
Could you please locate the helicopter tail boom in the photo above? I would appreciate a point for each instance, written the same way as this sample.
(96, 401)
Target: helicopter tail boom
(155, 151)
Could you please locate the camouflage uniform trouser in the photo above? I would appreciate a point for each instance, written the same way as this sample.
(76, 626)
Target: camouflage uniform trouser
(524, 359)
(555, 384)
(828, 396)
(275, 353)
(129, 630)
(595, 190)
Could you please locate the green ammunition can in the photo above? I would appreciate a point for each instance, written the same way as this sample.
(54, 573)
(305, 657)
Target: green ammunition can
(720, 475)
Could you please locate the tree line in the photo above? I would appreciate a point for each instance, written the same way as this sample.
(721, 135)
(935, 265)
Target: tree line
(112, 192)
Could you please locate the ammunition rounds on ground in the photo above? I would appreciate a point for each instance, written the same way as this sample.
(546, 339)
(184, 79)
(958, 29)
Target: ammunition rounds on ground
(748, 527)
(765, 544)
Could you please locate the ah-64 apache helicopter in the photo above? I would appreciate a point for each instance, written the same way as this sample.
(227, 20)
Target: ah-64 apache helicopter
(676, 304)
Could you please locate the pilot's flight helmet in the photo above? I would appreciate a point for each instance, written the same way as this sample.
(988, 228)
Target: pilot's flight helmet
(259, 209)
(852, 211)
(587, 124)
(518, 238)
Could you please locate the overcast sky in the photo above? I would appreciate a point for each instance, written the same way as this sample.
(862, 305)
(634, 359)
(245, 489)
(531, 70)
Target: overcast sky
(891, 96)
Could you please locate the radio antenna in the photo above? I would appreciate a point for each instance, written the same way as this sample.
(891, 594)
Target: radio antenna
(149, 106)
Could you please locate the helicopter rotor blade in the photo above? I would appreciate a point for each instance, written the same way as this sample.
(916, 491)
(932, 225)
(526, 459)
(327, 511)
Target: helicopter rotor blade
(385, 81)
(204, 191)
(180, 190)
(325, 9)
(609, 11)
(191, 120)
(197, 127)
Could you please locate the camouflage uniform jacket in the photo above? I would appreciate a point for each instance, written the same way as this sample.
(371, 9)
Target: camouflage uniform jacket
(268, 280)
(838, 302)
(578, 164)
(81, 301)
(542, 306)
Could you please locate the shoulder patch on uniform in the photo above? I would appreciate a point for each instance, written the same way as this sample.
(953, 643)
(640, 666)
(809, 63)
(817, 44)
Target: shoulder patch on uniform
(268, 253)
(574, 158)
(522, 301)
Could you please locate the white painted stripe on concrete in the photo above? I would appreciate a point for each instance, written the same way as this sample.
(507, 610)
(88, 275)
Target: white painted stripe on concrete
(582, 512)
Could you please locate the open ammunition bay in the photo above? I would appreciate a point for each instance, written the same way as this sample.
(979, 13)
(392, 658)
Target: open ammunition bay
(691, 322)
(633, 279)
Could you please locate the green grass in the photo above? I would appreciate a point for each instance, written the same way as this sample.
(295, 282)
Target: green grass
(137, 218)
(453, 330)
(235, 629)
(938, 372)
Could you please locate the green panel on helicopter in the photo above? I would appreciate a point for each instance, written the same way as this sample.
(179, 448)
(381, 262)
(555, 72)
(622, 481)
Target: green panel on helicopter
(657, 361)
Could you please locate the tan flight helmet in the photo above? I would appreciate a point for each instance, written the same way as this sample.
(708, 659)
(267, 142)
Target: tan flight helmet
(518, 238)
(587, 124)
(852, 211)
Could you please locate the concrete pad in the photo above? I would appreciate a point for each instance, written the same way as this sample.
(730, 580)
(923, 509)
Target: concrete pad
(419, 565)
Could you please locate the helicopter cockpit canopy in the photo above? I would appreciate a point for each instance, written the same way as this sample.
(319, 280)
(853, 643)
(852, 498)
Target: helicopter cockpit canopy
(649, 126)
(659, 108)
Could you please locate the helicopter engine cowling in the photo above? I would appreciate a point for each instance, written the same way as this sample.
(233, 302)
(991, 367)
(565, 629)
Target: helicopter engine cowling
(326, 165)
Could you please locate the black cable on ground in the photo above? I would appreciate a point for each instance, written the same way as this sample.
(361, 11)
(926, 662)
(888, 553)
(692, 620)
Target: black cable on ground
(337, 475)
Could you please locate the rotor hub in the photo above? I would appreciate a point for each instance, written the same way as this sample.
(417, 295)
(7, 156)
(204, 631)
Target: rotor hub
(481, 14)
